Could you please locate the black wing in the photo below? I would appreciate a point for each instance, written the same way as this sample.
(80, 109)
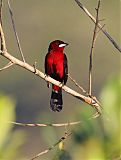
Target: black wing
(65, 69)
(46, 71)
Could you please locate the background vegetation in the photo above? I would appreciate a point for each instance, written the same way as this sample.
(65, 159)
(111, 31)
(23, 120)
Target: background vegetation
(38, 23)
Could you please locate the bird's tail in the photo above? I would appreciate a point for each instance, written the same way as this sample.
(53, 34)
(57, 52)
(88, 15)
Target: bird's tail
(56, 102)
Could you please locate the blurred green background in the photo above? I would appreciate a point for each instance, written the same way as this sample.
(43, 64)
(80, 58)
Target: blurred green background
(25, 98)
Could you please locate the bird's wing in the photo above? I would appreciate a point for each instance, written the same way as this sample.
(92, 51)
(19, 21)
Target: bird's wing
(65, 69)
(46, 70)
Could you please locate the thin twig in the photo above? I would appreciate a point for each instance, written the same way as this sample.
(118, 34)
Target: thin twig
(102, 20)
(2, 37)
(92, 48)
(84, 91)
(67, 124)
(99, 25)
(1, 5)
(52, 147)
(46, 125)
(101, 28)
(73, 80)
(16, 34)
(7, 66)
(3, 43)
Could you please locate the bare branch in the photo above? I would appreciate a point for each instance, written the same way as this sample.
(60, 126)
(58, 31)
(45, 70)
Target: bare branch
(3, 43)
(1, 5)
(101, 28)
(7, 66)
(46, 125)
(84, 91)
(16, 34)
(92, 48)
(99, 25)
(73, 80)
(53, 146)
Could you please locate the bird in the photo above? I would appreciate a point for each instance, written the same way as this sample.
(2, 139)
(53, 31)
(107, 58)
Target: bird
(56, 66)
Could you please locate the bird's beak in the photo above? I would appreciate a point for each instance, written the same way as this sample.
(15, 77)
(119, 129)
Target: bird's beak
(63, 44)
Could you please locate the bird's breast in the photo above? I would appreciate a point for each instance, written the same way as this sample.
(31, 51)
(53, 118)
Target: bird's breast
(58, 61)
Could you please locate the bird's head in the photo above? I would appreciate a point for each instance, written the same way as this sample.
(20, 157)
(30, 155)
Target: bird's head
(57, 45)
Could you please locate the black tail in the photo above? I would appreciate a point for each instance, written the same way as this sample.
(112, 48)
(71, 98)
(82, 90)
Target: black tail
(56, 102)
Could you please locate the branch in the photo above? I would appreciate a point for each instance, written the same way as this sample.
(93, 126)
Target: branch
(7, 66)
(16, 34)
(99, 25)
(85, 92)
(3, 43)
(1, 5)
(73, 80)
(92, 48)
(53, 146)
(46, 125)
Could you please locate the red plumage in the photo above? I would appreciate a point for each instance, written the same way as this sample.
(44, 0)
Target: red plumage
(56, 67)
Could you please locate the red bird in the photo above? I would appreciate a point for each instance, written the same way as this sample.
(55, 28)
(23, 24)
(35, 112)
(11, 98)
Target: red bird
(56, 67)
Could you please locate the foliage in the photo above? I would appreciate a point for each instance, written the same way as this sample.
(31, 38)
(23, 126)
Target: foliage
(99, 139)
(10, 141)
(96, 139)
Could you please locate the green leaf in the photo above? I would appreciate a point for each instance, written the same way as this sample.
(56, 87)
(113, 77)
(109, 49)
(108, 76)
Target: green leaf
(7, 114)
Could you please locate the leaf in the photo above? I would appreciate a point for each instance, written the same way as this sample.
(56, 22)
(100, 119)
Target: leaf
(7, 114)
